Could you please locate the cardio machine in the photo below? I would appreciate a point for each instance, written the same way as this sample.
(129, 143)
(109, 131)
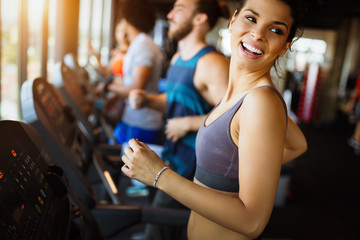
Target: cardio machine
(38, 203)
(35, 201)
(77, 92)
(87, 168)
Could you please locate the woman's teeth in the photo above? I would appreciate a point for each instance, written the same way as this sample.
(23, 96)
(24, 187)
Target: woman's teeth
(252, 49)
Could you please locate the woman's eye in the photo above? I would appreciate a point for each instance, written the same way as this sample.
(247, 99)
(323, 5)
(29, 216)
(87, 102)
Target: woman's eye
(251, 19)
(277, 31)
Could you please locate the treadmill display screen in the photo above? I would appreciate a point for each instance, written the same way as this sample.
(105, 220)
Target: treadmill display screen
(54, 110)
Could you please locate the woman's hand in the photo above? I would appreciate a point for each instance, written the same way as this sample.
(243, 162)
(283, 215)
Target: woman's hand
(141, 163)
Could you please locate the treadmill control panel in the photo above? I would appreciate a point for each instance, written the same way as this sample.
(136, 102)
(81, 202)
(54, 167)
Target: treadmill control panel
(72, 83)
(31, 207)
(50, 104)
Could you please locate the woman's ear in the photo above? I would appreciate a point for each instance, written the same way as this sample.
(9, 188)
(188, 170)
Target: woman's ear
(232, 20)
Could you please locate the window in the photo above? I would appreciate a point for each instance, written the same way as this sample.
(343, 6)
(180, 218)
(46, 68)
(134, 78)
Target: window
(84, 20)
(35, 16)
(23, 48)
(9, 59)
(51, 39)
(95, 27)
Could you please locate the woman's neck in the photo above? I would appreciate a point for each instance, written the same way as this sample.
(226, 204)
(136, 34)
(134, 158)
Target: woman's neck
(242, 80)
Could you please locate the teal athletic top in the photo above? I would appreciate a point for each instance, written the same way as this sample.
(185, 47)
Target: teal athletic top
(183, 99)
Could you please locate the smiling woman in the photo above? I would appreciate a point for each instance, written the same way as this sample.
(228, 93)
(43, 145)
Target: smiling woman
(244, 140)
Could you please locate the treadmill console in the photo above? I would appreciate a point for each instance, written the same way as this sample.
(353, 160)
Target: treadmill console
(34, 198)
(57, 113)
(59, 120)
(71, 82)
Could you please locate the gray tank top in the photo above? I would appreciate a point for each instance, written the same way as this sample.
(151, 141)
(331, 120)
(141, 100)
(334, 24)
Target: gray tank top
(217, 154)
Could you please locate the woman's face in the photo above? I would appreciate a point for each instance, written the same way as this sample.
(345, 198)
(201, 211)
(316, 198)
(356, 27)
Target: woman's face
(259, 33)
(120, 33)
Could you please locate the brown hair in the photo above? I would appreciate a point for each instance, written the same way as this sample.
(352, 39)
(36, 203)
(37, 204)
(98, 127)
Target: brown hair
(139, 13)
(213, 10)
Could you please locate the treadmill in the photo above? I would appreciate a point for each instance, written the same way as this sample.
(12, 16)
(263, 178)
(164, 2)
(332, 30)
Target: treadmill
(38, 203)
(44, 109)
(88, 168)
(78, 94)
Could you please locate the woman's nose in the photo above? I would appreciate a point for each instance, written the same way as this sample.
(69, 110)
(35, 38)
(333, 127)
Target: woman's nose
(258, 33)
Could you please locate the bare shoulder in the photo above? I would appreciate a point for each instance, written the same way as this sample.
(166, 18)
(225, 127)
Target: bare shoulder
(264, 101)
(262, 95)
(212, 76)
(213, 59)
(212, 65)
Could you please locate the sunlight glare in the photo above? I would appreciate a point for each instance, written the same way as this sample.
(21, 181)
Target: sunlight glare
(36, 11)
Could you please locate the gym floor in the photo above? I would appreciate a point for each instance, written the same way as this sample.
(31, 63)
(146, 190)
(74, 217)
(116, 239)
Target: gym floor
(323, 201)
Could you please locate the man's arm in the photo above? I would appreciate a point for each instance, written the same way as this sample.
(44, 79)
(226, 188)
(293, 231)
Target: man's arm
(138, 98)
(212, 77)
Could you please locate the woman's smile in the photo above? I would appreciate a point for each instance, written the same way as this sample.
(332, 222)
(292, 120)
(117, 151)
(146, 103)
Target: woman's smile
(251, 50)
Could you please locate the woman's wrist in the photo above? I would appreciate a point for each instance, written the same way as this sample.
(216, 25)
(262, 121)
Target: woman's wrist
(158, 175)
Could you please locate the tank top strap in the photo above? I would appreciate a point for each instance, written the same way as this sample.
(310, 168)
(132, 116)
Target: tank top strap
(237, 105)
(192, 61)
(204, 51)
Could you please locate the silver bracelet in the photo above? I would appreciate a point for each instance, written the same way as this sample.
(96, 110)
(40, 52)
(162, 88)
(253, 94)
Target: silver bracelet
(158, 175)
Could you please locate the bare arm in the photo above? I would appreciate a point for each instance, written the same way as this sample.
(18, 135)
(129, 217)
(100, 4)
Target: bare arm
(207, 202)
(212, 77)
(138, 98)
(176, 128)
(295, 142)
(140, 77)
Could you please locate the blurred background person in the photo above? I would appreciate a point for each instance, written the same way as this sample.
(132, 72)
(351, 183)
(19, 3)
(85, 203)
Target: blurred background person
(113, 71)
(142, 69)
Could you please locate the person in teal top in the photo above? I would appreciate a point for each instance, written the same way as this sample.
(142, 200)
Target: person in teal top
(183, 99)
(196, 81)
